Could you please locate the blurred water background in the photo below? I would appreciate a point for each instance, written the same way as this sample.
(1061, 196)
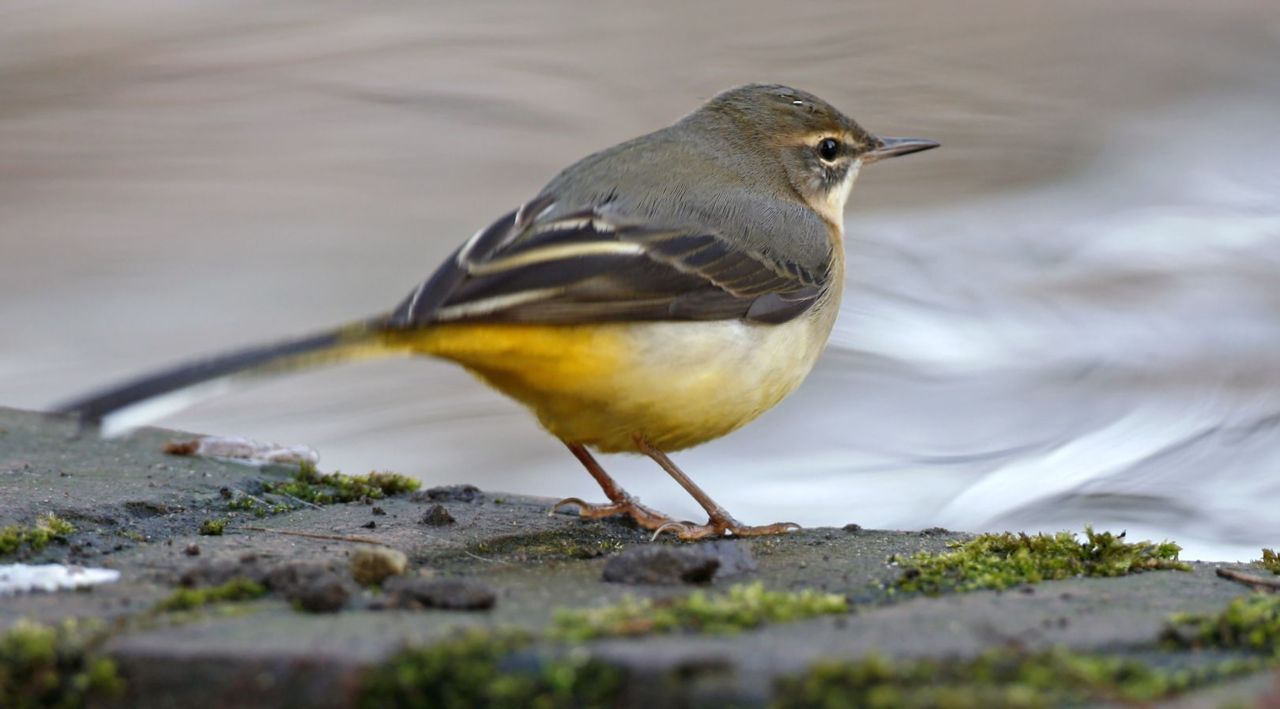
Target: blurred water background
(1070, 314)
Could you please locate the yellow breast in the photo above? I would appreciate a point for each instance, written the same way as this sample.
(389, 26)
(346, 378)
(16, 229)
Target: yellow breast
(677, 384)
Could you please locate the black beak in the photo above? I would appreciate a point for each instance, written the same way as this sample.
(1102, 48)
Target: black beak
(893, 147)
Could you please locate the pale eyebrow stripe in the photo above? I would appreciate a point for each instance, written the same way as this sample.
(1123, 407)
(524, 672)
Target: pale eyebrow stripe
(842, 135)
(555, 253)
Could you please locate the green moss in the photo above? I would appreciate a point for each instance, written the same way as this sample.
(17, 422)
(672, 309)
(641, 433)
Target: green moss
(490, 669)
(55, 525)
(501, 669)
(48, 527)
(248, 504)
(133, 535)
(238, 589)
(1249, 622)
(257, 508)
(1003, 560)
(213, 527)
(309, 485)
(1270, 561)
(1001, 678)
(742, 607)
(55, 666)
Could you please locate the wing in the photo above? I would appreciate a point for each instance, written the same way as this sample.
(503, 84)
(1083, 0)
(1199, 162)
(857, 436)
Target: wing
(591, 265)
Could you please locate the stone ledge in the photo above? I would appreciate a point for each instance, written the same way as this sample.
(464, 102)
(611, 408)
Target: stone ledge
(139, 511)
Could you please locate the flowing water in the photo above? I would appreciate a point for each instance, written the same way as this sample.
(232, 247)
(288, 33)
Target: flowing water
(1070, 314)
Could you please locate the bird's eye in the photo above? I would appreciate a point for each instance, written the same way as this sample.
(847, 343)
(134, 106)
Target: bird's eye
(828, 149)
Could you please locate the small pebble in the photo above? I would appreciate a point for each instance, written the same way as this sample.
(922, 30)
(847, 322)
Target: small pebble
(662, 565)
(324, 594)
(287, 578)
(188, 447)
(668, 565)
(447, 493)
(192, 550)
(215, 572)
(373, 565)
(450, 594)
(312, 586)
(437, 516)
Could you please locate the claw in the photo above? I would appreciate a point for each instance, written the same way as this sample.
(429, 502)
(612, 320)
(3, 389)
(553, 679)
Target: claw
(581, 504)
(740, 530)
(679, 528)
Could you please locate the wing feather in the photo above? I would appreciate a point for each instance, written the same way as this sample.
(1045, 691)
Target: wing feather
(590, 265)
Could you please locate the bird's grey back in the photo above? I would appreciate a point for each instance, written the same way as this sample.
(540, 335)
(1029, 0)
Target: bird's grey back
(691, 177)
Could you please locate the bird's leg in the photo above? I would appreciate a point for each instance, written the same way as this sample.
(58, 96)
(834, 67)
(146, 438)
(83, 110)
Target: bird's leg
(720, 520)
(620, 502)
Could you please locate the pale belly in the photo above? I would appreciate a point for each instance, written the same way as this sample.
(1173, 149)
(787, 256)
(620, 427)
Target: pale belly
(677, 384)
(689, 383)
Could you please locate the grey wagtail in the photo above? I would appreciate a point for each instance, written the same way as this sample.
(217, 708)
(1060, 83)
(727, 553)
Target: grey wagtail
(653, 296)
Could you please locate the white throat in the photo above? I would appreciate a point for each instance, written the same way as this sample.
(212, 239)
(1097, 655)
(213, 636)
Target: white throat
(833, 208)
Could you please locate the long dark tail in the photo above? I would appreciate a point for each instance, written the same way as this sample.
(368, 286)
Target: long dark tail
(137, 402)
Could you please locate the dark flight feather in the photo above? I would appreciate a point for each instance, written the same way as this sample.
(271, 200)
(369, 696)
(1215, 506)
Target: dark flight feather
(591, 266)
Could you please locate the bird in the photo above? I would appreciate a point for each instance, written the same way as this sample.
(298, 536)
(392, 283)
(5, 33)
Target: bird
(653, 296)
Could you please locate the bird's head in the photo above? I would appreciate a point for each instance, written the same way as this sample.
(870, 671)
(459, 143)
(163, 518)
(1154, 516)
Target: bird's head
(819, 149)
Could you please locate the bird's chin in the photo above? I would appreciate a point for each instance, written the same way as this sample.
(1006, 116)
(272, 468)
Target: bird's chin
(832, 208)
